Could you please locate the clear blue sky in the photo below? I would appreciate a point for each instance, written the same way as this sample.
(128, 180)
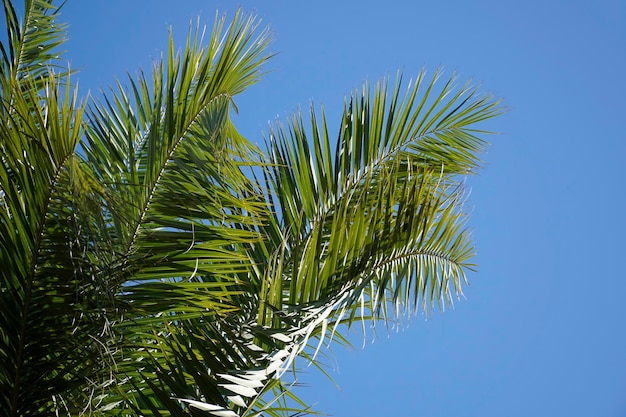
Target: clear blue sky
(542, 331)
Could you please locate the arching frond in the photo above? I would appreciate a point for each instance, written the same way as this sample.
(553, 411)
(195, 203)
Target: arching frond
(379, 221)
(179, 211)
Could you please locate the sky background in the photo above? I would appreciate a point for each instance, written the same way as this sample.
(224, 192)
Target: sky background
(542, 330)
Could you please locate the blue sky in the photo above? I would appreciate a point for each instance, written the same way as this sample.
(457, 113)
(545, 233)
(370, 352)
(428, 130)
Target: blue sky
(542, 330)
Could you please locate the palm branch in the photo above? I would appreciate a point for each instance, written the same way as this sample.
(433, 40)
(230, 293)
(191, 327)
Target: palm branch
(378, 222)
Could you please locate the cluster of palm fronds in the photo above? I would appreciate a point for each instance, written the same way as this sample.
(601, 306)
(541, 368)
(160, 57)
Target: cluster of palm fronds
(154, 262)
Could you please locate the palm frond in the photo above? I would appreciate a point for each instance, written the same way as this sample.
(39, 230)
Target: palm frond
(47, 309)
(180, 210)
(32, 47)
(43, 284)
(379, 222)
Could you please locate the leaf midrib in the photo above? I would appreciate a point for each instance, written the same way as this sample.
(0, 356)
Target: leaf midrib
(155, 184)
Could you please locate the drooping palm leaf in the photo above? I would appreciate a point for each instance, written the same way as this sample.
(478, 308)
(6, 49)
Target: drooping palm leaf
(379, 221)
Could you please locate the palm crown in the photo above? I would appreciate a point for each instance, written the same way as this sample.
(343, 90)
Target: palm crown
(155, 262)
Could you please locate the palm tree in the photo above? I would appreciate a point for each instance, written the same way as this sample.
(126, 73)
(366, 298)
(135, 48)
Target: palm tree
(155, 262)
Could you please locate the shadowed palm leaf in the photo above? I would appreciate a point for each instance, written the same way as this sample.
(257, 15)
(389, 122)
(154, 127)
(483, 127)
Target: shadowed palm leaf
(154, 262)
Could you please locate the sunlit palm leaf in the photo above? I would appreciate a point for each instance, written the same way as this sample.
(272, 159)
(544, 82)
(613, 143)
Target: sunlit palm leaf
(380, 219)
(180, 211)
(32, 47)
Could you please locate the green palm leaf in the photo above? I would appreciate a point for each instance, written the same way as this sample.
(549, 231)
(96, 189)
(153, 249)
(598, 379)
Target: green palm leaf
(32, 47)
(43, 280)
(378, 223)
(180, 209)
(43, 291)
